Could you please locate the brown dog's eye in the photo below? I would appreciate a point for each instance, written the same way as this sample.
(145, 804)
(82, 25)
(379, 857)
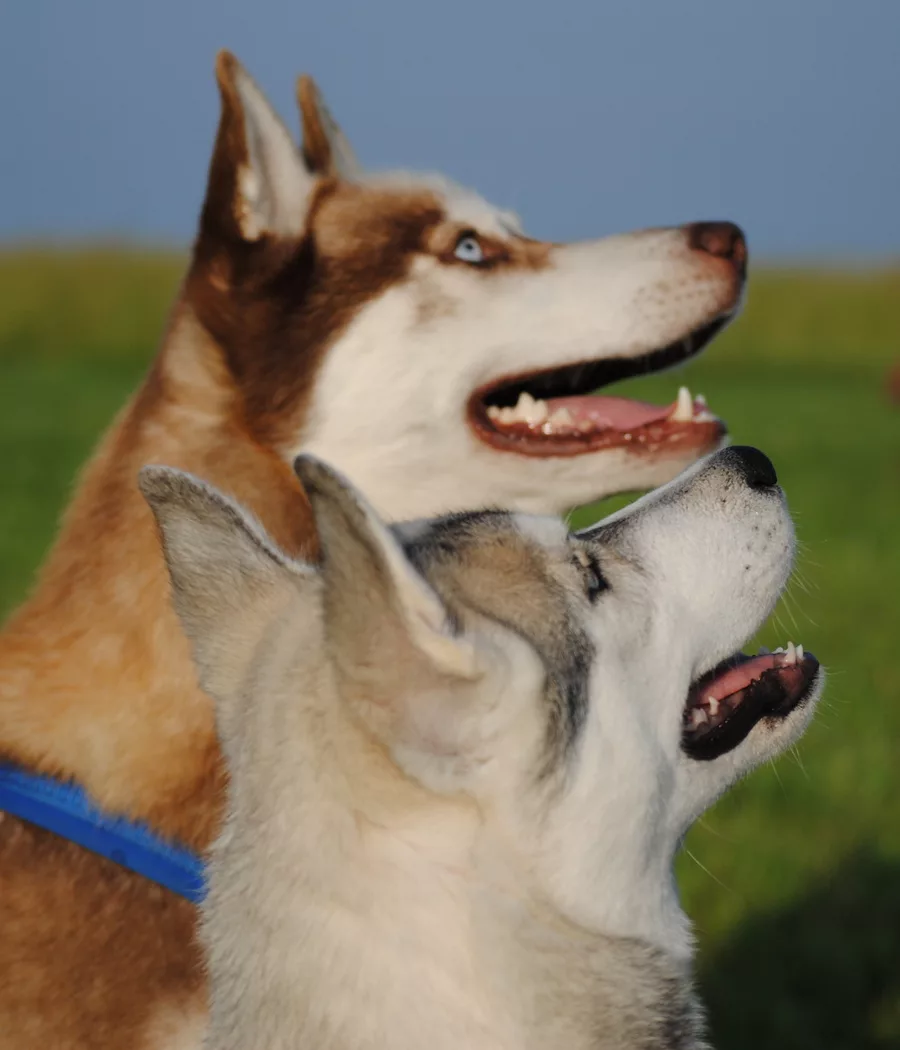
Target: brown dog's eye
(468, 249)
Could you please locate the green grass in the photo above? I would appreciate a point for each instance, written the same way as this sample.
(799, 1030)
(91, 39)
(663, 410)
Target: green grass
(793, 880)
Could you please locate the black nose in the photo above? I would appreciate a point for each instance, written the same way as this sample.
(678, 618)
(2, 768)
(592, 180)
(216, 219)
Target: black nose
(755, 466)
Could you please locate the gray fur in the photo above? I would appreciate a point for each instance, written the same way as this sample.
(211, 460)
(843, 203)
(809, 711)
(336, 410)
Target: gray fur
(456, 776)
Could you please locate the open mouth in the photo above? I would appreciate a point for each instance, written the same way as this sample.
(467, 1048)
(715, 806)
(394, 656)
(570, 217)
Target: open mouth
(726, 703)
(557, 412)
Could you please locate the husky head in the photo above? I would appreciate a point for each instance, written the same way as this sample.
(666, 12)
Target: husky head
(584, 693)
(410, 333)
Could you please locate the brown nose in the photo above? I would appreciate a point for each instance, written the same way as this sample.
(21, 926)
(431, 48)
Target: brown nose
(722, 239)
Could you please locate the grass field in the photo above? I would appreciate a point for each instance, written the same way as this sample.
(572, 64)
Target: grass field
(794, 879)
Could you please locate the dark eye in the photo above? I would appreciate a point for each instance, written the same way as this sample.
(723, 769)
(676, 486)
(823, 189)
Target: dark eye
(595, 583)
(468, 250)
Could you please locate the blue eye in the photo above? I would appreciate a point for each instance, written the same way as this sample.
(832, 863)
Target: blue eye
(468, 250)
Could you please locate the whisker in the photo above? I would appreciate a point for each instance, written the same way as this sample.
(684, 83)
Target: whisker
(702, 822)
(795, 751)
(703, 867)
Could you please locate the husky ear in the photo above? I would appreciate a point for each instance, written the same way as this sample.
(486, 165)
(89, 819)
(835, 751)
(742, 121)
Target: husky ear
(325, 147)
(258, 183)
(379, 609)
(228, 579)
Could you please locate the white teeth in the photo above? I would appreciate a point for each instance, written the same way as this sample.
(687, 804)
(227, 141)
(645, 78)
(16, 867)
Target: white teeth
(561, 417)
(799, 652)
(531, 411)
(684, 407)
(698, 717)
(690, 409)
(713, 706)
(779, 650)
(790, 656)
(527, 410)
(702, 414)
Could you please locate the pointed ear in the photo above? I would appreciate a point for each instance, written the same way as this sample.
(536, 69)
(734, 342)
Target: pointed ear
(258, 184)
(379, 609)
(228, 579)
(325, 147)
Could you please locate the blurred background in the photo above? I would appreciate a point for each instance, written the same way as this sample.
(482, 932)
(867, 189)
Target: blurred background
(586, 118)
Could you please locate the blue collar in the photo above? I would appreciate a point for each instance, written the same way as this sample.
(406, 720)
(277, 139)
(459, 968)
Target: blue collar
(67, 811)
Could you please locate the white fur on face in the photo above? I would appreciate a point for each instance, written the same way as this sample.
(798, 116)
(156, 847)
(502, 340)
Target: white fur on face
(390, 402)
(693, 570)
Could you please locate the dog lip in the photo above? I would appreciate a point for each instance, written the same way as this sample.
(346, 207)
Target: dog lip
(662, 436)
(772, 689)
(585, 377)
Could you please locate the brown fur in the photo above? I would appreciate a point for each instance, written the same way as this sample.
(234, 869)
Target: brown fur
(110, 948)
(96, 681)
(317, 150)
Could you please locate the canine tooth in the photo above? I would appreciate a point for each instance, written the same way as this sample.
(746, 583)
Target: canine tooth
(698, 717)
(799, 652)
(684, 407)
(790, 657)
(713, 706)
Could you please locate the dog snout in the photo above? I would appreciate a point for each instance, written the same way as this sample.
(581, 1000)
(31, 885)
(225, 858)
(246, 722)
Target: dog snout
(754, 466)
(724, 240)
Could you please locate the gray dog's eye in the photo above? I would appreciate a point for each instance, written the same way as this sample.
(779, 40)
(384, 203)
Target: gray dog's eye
(468, 250)
(595, 583)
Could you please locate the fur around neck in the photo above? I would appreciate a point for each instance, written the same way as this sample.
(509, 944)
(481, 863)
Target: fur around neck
(334, 923)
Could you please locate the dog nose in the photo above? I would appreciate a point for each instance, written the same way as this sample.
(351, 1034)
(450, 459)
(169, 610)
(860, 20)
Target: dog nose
(725, 240)
(754, 466)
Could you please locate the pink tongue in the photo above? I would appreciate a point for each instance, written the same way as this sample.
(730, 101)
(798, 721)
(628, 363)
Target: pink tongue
(740, 677)
(615, 412)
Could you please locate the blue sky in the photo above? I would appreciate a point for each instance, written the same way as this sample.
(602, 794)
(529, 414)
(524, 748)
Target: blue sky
(585, 116)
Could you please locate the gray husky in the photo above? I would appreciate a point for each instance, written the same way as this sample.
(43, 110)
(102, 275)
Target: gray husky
(463, 753)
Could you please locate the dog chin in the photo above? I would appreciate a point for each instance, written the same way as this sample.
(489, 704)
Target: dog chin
(701, 783)
(772, 737)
